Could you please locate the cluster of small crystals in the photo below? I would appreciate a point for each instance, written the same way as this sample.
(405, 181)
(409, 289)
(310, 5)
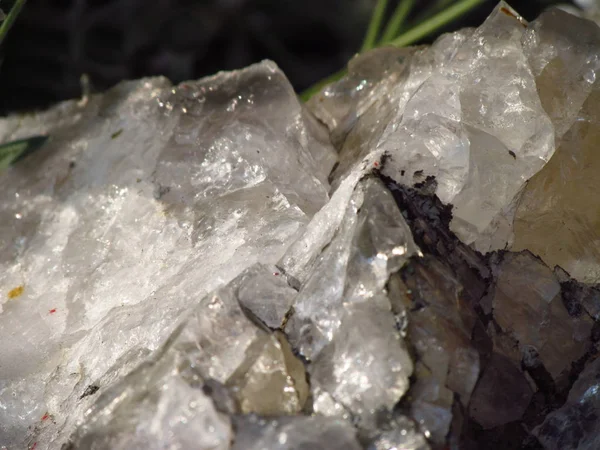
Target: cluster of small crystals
(209, 266)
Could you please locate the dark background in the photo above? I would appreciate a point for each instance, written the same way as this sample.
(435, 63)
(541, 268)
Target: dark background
(55, 41)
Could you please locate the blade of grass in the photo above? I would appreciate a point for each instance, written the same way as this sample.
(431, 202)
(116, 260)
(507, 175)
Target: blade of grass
(438, 6)
(15, 150)
(396, 21)
(308, 93)
(374, 25)
(432, 24)
(431, 11)
(10, 19)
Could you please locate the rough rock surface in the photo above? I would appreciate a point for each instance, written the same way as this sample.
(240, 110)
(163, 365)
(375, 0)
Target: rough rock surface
(406, 262)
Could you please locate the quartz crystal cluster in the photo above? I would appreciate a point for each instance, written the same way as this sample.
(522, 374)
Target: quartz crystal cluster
(410, 261)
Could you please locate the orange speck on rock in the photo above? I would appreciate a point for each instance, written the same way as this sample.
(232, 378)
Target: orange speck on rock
(16, 292)
(52, 311)
(509, 13)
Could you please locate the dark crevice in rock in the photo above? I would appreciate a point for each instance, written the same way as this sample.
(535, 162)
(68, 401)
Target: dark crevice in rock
(450, 268)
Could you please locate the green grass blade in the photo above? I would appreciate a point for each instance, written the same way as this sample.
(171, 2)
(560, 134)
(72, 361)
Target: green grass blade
(397, 20)
(10, 19)
(308, 93)
(374, 25)
(436, 22)
(437, 7)
(15, 150)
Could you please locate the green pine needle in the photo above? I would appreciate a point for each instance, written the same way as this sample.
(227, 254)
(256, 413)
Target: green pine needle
(397, 21)
(436, 22)
(374, 26)
(10, 19)
(315, 88)
(13, 151)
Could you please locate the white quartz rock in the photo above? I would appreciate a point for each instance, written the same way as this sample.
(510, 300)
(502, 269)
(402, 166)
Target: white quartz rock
(477, 125)
(217, 358)
(144, 199)
(465, 110)
(153, 251)
(342, 319)
(172, 415)
(319, 305)
(353, 268)
(366, 366)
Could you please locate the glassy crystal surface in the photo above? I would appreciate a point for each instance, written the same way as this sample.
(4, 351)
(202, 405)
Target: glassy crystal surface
(215, 266)
(203, 372)
(354, 268)
(403, 434)
(344, 301)
(266, 293)
(271, 381)
(144, 200)
(477, 124)
(363, 375)
(466, 110)
(565, 53)
(528, 305)
(568, 234)
(370, 76)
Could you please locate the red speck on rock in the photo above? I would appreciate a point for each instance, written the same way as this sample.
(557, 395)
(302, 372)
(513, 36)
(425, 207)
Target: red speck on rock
(52, 311)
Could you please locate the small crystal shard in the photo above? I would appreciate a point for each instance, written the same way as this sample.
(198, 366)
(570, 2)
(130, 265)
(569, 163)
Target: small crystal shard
(271, 381)
(352, 269)
(528, 305)
(346, 294)
(366, 366)
(265, 292)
